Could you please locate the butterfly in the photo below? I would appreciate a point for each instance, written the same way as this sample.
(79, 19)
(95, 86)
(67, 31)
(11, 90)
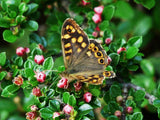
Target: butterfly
(85, 60)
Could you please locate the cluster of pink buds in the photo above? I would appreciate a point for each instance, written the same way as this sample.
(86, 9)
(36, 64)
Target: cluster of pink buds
(97, 16)
(20, 51)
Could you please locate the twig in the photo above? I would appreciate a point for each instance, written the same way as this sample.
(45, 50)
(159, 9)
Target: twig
(125, 95)
(148, 96)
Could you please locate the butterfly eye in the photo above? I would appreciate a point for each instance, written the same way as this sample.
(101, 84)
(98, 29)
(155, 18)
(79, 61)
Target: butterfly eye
(95, 49)
(101, 61)
(69, 30)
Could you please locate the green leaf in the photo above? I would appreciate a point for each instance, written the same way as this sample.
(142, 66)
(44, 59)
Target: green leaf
(23, 7)
(108, 34)
(115, 91)
(72, 100)
(84, 109)
(135, 42)
(132, 67)
(139, 95)
(36, 51)
(13, 2)
(31, 25)
(4, 22)
(137, 116)
(95, 92)
(123, 10)
(32, 8)
(108, 12)
(2, 74)
(29, 64)
(112, 117)
(115, 58)
(106, 97)
(156, 103)
(54, 105)
(8, 36)
(112, 107)
(66, 97)
(10, 90)
(19, 19)
(143, 25)
(146, 3)
(158, 90)
(46, 113)
(29, 72)
(2, 58)
(48, 63)
(103, 25)
(147, 67)
(19, 61)
(4, 5)
(131, 52)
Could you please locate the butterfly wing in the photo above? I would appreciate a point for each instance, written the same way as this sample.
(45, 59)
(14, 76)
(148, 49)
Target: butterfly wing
(84, 59)
(74, 42)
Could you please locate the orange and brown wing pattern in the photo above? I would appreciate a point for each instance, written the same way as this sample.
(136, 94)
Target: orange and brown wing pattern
(74, 41)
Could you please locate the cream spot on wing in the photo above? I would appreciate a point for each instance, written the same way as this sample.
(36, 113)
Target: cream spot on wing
(66, 36)
(79, 50)
(83, 44)
(80, 39)
(79, 31)
(69, 51)
(67, 45)
(89, 53)
(73, 40)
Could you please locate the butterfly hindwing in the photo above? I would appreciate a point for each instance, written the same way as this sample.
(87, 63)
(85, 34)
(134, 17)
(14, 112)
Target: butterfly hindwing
(74, 41)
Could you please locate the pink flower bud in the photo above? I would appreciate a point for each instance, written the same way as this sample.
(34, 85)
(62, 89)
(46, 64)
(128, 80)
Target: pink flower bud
(18, 80)
(97, 28)
(67, 109)
(39, 59)
(40, 76)
(87, 97)
(37, 92)
(119, 99)
(27, 50)
(41, 47)
(109, 60)
(121, 49)
(95, 34)
(118, 113)
(34, 108)
(77, 86)
(20, 51)
(38, 118)
(31, 115)
(129, 110)
(85, 2)
(99, 9)
(8, 76)
(96, 18)
(63, 83)
(56, 114)
(108, 41)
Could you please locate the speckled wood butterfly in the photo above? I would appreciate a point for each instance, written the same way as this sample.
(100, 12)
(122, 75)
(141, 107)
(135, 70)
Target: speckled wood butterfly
(85, 60)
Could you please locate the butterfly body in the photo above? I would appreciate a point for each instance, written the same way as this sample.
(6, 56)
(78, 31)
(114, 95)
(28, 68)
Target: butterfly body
(85, 60)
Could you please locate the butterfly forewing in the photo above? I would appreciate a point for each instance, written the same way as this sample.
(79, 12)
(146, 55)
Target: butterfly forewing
(74, 41)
